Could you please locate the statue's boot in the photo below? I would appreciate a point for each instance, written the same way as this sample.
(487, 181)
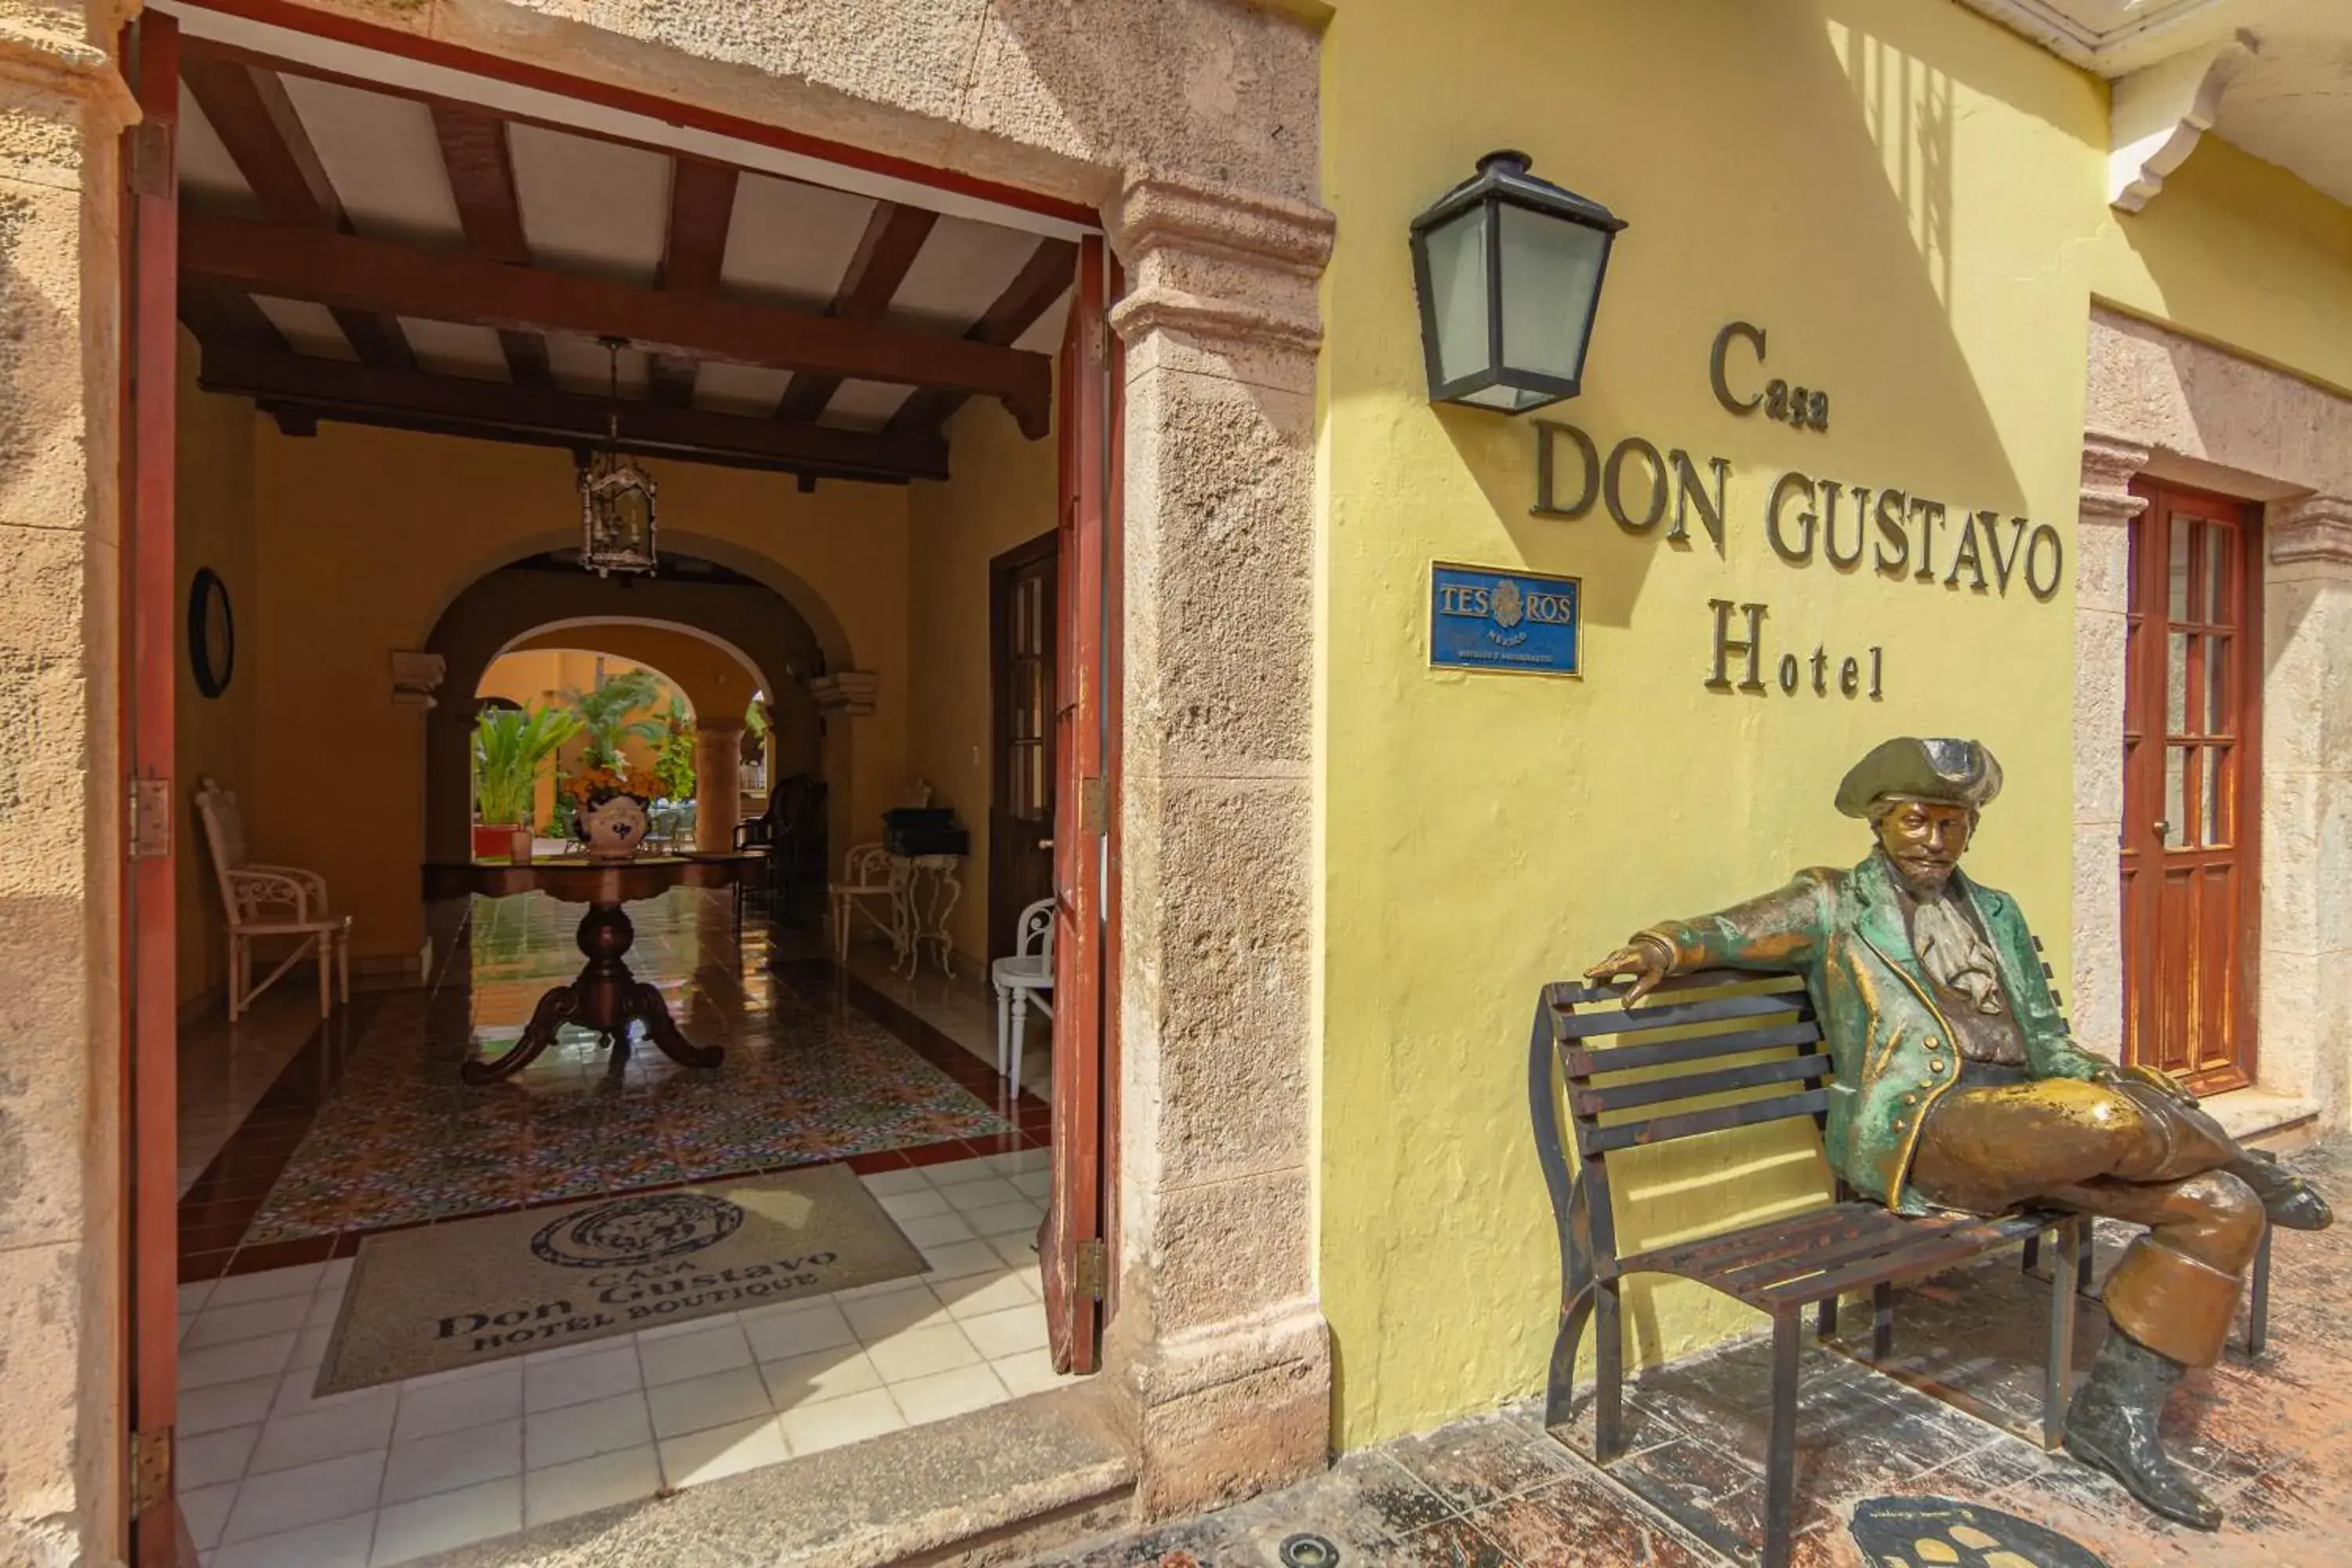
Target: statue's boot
(2287, 1198)
(2111, 1427)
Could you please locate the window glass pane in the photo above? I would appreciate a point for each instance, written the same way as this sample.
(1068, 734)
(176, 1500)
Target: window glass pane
(2218, 707)
(2175, 804)
(2176, 682)
(1457, 293)
(1547, 282)
(2218, 541)
(2217, 821)
(2177, 599)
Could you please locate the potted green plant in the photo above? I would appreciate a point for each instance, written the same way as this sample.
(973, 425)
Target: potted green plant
(603, 716)
(509, 744)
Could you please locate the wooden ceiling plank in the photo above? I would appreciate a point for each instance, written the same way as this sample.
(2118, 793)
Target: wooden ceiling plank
(256, 122)
(1045, 278)
(382, 275)
(475, 152)
(227, 318)
(334, 388)
(701, 210)
(894, 237)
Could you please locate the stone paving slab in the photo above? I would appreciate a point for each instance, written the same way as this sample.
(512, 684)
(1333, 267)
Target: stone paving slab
(2271, 1437)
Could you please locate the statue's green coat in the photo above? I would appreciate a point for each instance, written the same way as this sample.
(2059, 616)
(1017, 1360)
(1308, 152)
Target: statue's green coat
(1892, 1049)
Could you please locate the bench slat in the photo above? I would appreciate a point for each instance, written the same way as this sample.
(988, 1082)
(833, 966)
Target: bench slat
(1604, 1020)
(1877, 1242)
(1565, 994)
(1584, 1061)
(1691, 1086)
(1665, 1129)
(1773, 1237)
(1943, 1250)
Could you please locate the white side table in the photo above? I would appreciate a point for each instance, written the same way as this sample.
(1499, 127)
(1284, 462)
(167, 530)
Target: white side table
(923, 892)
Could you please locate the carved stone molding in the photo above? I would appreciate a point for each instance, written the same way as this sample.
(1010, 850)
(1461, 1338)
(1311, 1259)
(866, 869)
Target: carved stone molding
(416, 677)
(717, 724)
(2317, 528)
(2110, 463)
(1214, 262)
(68, 65)
(2158, 114)
(851, 693)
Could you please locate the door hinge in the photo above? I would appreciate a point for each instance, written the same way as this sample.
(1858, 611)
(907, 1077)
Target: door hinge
(149, 804)
(1098, 342)
(1094, 1269)
(151, 1468)
(151, 173)
(1093, 805)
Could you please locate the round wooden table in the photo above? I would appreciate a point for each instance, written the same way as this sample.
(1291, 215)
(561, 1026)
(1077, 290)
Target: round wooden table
(607, 997)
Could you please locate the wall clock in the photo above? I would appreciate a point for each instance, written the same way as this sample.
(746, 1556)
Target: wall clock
(211, 632)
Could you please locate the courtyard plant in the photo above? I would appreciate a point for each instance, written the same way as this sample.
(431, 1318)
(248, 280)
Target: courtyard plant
(605, 716)
(509, 746)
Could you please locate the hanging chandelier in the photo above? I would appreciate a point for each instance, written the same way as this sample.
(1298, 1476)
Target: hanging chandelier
(616, 496)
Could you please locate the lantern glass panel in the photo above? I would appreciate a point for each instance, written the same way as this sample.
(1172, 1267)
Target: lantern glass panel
(1551, 273)
(1457, 293)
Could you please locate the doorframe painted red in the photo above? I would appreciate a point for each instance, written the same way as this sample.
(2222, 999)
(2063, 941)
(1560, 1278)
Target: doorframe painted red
(151, 1036)
(2143, 787)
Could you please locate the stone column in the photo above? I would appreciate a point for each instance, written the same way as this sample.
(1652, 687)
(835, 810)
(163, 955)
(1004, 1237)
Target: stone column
(2102, 586)
(62, 1217)
(843, 698)
(1220, 1341)
(717, 781)
(2306, 794)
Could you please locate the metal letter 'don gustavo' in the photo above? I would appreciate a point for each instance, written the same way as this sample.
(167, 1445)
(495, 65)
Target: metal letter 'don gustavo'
(1517, 621)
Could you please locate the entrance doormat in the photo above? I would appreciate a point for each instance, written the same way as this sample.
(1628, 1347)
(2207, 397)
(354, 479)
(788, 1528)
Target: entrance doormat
(477, 1290)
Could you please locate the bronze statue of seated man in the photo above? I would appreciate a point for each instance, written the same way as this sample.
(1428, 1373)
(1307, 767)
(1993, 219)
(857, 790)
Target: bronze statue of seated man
(1957, 1087)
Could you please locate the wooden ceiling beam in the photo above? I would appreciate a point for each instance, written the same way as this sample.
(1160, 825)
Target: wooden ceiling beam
(1045, 278)
(481, 177)
(701, 210)
(894, 237)
(247, 106)
(382, 275)
(227, 318)
(493, 410)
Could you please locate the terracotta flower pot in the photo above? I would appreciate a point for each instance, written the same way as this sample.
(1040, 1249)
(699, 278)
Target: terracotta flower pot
(519, 842)
(491, 840)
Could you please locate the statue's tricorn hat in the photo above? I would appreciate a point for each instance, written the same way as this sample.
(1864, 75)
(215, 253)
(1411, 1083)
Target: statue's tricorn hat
(1949, 772)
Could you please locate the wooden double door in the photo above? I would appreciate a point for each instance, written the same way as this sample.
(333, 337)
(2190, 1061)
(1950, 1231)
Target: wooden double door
(2192, 732)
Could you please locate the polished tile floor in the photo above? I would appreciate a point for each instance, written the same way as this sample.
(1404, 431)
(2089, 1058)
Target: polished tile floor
(366, 1128)
(272, 1477)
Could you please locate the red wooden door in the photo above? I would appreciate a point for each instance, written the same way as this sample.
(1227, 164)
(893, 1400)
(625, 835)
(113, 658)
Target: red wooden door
(150, 994)
(2191, 770)
(1070, 1245)
(1024, 704)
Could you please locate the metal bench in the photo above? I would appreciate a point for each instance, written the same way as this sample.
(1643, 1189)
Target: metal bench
(1749, 1051)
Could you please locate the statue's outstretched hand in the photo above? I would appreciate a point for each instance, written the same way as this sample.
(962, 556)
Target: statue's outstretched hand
(1646, 961)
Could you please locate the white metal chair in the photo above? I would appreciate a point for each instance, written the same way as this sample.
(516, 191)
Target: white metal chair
(865, 877)
(270, 901)
(1022, 981)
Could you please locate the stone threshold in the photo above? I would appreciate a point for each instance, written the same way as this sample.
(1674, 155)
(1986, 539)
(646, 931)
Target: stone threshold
(995, 1485)
(2283, 1122)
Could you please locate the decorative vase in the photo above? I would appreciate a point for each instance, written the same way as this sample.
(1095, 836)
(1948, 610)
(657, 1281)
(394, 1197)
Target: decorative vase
(613, 828)
(519, 846)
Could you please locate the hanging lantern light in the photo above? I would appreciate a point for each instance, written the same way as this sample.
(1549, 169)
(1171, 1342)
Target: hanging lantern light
(616, 496)
(1509, 268)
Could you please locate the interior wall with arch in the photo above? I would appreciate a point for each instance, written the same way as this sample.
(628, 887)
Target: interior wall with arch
(361, 540)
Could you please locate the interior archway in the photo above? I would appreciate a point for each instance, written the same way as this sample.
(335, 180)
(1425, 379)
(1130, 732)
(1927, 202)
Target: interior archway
(750, 627)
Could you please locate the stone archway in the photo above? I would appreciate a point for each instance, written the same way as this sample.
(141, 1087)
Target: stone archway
(507, 606)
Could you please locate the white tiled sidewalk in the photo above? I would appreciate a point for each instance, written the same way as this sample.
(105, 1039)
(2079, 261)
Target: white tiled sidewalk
(271, 1478)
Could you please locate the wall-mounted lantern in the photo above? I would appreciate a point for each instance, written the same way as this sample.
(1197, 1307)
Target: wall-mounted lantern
(1509, 271)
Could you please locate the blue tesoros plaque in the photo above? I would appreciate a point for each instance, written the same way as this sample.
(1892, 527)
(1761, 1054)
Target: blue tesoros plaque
(1504, 620)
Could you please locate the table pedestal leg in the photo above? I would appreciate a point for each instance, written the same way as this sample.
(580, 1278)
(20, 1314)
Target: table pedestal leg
(606, 997)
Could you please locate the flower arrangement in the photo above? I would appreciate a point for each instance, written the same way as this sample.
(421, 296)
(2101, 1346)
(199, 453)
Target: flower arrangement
(591, 787)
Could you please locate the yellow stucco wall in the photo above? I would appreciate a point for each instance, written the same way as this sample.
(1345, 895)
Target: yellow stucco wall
(2241, 254)
(213, 504)
(363, 536)
(1000, 494)
(1848, 176)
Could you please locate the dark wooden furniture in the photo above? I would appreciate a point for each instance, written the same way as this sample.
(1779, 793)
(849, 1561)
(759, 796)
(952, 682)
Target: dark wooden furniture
(606, 997)
(1667, 1074)
(782, 837)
